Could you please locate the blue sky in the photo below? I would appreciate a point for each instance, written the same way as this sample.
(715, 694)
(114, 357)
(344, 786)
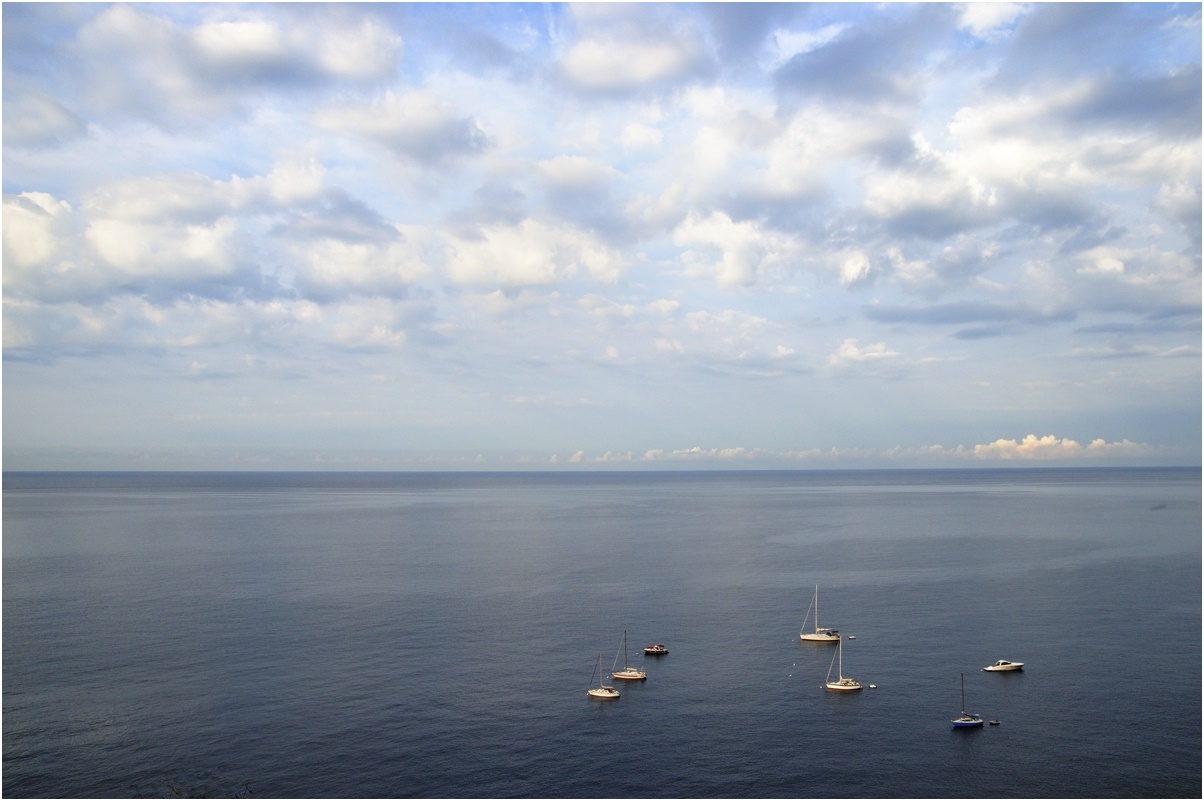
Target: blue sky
(509, 236)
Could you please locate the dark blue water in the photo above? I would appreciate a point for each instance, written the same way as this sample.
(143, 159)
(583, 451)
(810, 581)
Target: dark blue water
(433, 635)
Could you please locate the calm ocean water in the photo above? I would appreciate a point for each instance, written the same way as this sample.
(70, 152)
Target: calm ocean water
(404, 635)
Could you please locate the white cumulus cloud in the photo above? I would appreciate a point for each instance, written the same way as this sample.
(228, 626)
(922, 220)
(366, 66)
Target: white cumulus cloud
(530, 253)
(851, 351)
(616, 64)
(1050, 447)
(730, 251)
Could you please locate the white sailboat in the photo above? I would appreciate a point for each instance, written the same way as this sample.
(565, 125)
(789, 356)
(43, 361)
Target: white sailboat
(820, 634)
(628, 673)
(842, 684)
(966, 720)
(602, 691)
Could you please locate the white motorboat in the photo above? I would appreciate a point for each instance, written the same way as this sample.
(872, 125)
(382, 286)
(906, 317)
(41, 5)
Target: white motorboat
(819, 634)
(842, 683)
(603, 691)
(1003, 664)
(628, 673)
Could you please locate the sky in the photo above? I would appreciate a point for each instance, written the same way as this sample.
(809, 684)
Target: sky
(630, 236)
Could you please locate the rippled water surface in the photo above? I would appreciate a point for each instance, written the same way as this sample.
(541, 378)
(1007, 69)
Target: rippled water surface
(404, 635)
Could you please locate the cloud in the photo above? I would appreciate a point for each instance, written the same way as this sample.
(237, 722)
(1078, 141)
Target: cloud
(177, 234)
(1049, 448)
(728, 326)
(964, 313)
(261, 49)
(36, 119)
(1062, 41)
(375, 325)
(854, 268)
(931, 197)
(1100, 107)
(331, 268)
(1144, 282)
(579, 190)
(784, 44)
(731, 252)
(638, 136)
(1180, 203)
(533, 252)
(1041, 158)
(38, 230)
(575, 173)
(415, 125)
(53, 254)
(277, 328)
(510, 302)
(604, 309)
(850, 351)
(620, 52)
(297, 178)
(697, 453)
(988, 20)
(167, 231)
(139, 248)
(332, 214)
(960, 263)
(609, 65)
(1138, 103)
(743, 31)
(1138, 352)
(171, 72)
(875, 63)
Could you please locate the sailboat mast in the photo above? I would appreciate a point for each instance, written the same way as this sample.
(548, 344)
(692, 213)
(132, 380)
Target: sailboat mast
(963, 692)
(817, 609)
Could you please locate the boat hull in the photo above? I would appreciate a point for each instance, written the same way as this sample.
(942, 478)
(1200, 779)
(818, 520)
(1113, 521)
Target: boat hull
(821, 637)
(655, 650)
(997, 668)
(603, 693)
(972, 723)
(845, 686)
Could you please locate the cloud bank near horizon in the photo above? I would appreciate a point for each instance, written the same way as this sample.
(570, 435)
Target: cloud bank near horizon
(381, 234)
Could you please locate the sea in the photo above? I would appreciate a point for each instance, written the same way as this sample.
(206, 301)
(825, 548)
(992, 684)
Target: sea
(432, 635)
